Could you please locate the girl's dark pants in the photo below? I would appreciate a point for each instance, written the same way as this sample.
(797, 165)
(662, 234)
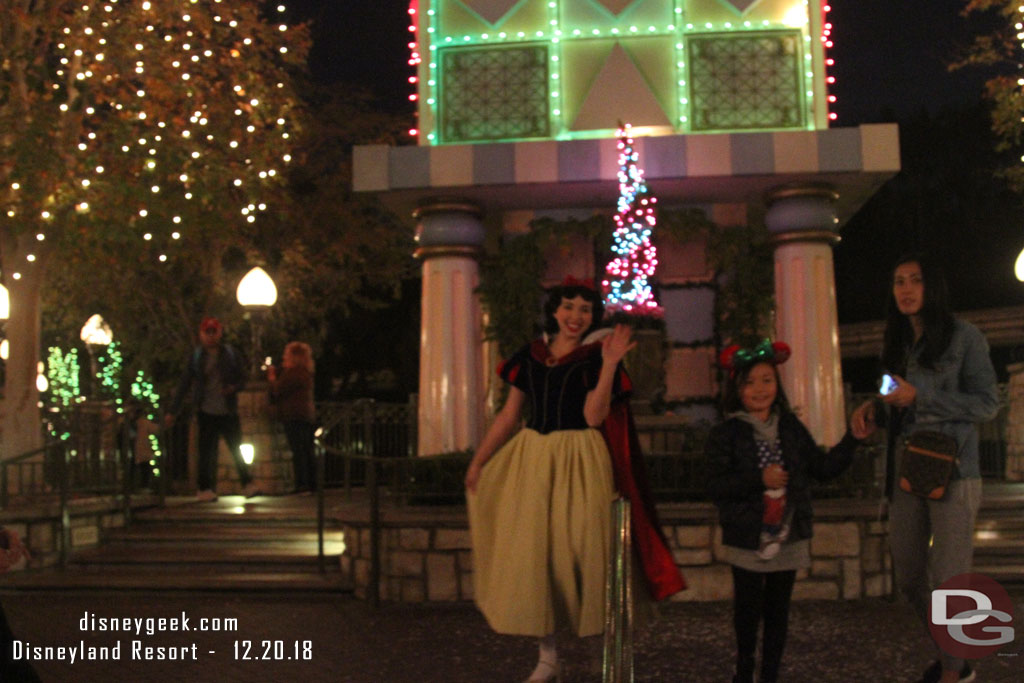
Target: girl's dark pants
(760, 595)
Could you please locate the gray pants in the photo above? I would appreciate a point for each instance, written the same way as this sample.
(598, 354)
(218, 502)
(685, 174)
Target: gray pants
(949, 525)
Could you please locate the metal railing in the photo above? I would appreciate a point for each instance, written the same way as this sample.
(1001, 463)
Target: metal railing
(95, 458)
(619, 619)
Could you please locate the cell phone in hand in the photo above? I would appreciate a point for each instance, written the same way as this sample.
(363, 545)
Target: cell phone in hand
(887, 385)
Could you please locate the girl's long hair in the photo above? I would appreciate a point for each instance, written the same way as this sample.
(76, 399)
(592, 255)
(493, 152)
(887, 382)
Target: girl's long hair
(935, 314)
(731, 401)
(302, 353)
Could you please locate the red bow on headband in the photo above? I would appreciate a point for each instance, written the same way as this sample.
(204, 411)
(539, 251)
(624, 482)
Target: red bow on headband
(570, 281)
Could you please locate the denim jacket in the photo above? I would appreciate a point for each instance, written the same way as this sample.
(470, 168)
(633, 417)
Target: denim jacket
(958, 394)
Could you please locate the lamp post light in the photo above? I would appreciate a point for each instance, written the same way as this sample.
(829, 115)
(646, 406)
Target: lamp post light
(256, 293)
(1018, 267)
(96, 334)
(5, 314)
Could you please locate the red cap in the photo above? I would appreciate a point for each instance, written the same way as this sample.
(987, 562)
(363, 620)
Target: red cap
(210, 324)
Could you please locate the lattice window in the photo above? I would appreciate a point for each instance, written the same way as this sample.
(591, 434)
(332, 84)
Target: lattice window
(494, 93)
(743, 81)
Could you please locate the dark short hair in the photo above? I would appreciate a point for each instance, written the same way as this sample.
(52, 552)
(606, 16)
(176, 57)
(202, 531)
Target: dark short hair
(554, 300)
(731, 401)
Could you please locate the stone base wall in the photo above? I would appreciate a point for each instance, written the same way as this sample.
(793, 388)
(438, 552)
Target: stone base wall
(420, 561)
(431, 561)
(40, 529)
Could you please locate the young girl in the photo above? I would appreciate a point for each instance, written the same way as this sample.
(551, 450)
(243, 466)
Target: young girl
(540, 507)
(944, 382)
(761, 460)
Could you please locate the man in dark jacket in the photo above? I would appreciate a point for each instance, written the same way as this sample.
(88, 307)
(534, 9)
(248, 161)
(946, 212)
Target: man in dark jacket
(215, 374)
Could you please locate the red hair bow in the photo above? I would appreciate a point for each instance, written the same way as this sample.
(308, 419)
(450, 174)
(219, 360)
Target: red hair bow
(570, 281)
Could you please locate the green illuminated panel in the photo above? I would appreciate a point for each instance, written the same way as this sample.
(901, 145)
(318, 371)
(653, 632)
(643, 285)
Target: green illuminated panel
(494, 93)
(744, 81)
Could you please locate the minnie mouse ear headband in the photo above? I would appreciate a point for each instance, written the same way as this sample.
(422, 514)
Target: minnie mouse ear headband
(734, 358)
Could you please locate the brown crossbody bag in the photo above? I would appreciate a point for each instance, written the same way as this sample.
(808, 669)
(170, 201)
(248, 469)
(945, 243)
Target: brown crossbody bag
(929, 462)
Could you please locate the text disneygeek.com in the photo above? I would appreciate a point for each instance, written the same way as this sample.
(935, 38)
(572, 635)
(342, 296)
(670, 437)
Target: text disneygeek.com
(141, 650)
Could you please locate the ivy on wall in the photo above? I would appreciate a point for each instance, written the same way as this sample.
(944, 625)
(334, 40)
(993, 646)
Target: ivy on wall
(510, 276)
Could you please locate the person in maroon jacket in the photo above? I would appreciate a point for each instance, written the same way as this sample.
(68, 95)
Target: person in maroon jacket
(291, 393)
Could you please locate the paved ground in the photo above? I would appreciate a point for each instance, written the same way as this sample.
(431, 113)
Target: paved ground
(848, 642)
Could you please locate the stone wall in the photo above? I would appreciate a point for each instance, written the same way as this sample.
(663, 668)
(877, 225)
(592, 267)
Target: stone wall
(424, 560)
(39, 526)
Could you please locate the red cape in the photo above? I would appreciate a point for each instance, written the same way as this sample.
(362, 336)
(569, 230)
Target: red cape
(663, 576)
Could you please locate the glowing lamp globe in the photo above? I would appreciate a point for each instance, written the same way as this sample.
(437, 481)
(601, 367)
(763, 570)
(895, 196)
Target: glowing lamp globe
(96, 331)
(256, 289)
(5, 303)
(1018, 267)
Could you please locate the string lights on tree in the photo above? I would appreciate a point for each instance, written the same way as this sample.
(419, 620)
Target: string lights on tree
(164, 118)
(627, 276)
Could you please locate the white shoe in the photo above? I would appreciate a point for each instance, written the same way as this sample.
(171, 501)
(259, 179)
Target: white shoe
(206, 496)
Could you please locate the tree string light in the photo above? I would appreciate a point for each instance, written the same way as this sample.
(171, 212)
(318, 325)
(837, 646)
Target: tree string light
(167, 85)
(626, 285)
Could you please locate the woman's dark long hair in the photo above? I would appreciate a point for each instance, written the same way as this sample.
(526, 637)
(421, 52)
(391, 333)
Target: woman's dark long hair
(731, 401)
(935, 314)
(555, 296)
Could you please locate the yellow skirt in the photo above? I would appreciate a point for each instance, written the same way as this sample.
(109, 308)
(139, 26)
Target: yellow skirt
(541, 528)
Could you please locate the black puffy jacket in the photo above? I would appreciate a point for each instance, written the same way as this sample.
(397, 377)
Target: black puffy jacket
(736, 487)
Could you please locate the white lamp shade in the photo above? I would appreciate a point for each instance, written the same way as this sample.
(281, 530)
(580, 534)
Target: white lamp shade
(256, 289)
(96, 331)
(41, 382)
(1018, 267)
(5, 349)
(5, 303)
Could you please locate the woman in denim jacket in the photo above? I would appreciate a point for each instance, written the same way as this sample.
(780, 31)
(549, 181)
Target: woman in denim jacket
(944, 382)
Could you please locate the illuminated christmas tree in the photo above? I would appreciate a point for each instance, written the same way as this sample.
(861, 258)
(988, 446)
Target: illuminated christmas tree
(130, 128)
(626, 285)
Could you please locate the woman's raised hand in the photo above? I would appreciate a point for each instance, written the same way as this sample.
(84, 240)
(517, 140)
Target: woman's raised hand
(617, 344)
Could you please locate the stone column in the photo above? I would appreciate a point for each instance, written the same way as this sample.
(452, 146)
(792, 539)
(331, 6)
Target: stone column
(1015, 424)
(804, 224)
(451, 398)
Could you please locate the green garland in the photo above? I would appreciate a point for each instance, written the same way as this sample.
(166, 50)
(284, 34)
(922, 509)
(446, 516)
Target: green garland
(510, 275)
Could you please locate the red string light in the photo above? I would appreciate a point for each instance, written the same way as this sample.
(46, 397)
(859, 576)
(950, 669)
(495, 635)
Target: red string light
(414, 55)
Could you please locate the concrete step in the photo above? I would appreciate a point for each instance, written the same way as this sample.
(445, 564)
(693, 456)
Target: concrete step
(165, 554)
(195, 579)
(154, 532)
(1010, 573)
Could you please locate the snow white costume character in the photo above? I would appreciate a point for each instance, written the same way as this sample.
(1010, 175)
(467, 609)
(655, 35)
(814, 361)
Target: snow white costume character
(540, 511)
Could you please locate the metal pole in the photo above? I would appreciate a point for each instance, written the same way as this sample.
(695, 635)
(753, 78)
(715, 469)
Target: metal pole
(65, 513)
(618, 619)
(371, 485)
(319, 454)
